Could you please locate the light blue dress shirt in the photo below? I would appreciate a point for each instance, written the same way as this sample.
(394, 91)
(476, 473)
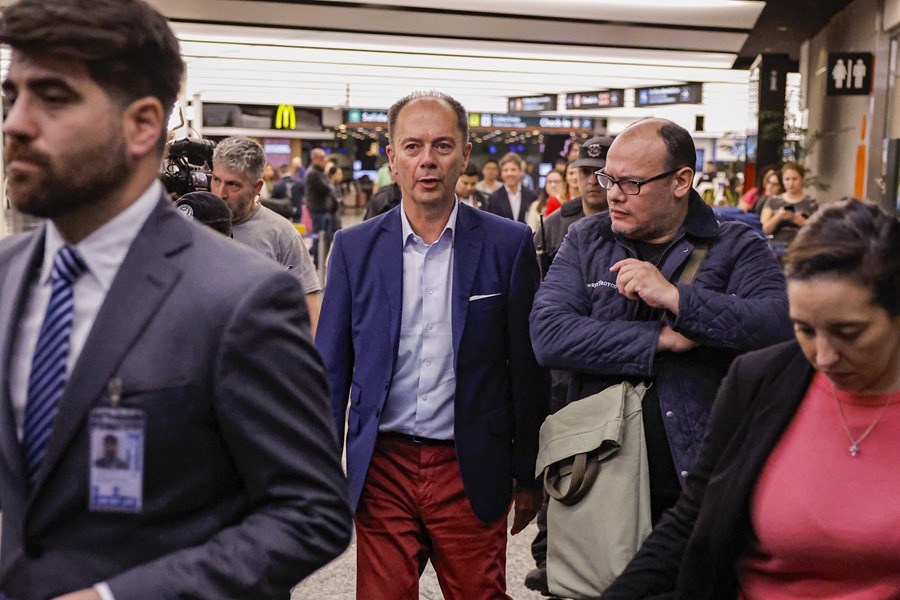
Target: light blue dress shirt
(420, 401)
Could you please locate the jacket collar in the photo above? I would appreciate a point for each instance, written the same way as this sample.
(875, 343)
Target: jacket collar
(572, 208)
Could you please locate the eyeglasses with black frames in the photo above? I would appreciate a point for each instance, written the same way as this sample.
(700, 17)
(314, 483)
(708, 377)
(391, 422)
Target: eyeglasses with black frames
(629, 187)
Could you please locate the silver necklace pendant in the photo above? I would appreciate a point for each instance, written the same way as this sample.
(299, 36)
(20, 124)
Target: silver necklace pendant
(854, 449)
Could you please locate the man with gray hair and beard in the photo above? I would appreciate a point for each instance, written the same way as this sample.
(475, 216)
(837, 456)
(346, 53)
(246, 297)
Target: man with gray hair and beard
(238, 165)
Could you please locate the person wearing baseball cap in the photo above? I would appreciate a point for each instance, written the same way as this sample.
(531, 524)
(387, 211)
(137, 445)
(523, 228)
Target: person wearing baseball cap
(591, 158)
(547, 240)
(206, 208)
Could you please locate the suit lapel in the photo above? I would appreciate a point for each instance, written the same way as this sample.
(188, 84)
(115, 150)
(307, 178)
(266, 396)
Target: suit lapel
(755, 440)
(466, 255)
(23, 267)
(524, 205)
(387, 253)
(507, 207)
(143, 281)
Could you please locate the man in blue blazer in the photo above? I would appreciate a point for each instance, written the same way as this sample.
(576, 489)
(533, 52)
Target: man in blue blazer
(424, 330)
(513, 199)
(121, 319)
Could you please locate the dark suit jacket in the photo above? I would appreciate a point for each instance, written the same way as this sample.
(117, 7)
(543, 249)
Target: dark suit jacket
(243, 490)
(501, 392)
(498, 203)
(694, 550)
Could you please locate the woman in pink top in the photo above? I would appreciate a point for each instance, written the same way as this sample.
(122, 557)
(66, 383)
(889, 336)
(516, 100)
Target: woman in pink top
(796, 492)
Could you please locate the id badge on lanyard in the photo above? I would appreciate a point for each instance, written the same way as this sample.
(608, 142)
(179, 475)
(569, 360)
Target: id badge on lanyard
(116, 456)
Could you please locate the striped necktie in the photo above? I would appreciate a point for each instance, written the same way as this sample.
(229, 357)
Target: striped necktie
(48, 366)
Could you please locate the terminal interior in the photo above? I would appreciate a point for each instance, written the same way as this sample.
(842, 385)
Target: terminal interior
(537, 76)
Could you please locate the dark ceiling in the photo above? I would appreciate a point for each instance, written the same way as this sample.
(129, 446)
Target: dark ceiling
(784, 25)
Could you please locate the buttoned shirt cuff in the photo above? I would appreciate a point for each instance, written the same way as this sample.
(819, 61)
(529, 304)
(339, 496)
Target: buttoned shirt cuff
(104, 591)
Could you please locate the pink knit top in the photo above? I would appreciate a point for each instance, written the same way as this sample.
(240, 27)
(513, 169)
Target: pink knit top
(828, 523)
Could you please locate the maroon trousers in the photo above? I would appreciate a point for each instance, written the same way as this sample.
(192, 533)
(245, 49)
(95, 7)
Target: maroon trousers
(413, 509)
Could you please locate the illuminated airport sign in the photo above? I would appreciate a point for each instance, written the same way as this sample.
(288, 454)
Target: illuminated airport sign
(597, 99)
(285, 117)
(358, 116)
(532, 104)
(688, 93)
(551, 123)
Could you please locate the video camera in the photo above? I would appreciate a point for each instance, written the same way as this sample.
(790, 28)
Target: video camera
(189, 166)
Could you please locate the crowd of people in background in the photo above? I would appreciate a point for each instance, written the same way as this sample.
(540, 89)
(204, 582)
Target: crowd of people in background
(776, 206)
(176, 408)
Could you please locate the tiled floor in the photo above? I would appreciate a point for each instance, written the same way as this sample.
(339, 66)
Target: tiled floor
(337, 580)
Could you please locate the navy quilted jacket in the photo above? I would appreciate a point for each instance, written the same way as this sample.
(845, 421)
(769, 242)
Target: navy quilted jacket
(737, 303)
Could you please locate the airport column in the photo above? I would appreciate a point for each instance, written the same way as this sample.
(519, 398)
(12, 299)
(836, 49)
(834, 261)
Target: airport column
(769, 78)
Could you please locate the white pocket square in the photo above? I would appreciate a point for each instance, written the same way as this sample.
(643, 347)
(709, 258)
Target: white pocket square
(483, 296)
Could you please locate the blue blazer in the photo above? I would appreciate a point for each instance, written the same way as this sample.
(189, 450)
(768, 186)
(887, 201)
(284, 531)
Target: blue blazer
(501, 392)
(498, 203)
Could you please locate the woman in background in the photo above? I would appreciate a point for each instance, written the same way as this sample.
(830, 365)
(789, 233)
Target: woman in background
(548, 200)
(771, 187)
(795, 493)
(784, 215)
(572, 183)
(749, 200)
(269, 179)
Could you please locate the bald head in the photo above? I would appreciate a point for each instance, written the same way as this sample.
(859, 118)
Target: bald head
(651, 163)
(317, 157)
(678, 144)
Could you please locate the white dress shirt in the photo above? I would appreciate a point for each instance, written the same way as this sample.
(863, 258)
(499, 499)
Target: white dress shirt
(515, 201)
(423, 386)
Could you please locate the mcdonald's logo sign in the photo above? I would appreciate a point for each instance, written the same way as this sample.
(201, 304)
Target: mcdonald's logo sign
(286, 118)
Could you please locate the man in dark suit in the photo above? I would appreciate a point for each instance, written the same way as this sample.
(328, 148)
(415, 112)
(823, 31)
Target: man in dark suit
(120, 316)
(513, 199)
(424, 330)
(466, 188)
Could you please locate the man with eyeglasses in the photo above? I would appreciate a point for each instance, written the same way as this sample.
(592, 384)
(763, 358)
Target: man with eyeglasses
(611, 308)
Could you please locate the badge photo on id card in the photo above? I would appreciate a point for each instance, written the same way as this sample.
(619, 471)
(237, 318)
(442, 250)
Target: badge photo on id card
(116, 459)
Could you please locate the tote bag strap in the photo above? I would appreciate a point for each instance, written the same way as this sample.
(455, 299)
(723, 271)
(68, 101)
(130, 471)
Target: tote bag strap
(583, 469)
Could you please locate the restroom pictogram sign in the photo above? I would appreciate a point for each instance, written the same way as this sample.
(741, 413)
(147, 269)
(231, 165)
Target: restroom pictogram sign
(849, 74)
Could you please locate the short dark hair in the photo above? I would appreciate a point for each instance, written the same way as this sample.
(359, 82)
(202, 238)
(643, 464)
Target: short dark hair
(850, 239)
(680, 145)
(471, 170)
(462, 118)
(489, 161)
(126, 45)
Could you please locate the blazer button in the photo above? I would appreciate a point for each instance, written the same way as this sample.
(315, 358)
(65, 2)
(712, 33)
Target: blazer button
(377, 412)
(33, 551)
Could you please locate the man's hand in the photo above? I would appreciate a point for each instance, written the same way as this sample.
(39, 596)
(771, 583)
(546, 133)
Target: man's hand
(526, 503)
(638, 279)
(87, 594)
(672, 341)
